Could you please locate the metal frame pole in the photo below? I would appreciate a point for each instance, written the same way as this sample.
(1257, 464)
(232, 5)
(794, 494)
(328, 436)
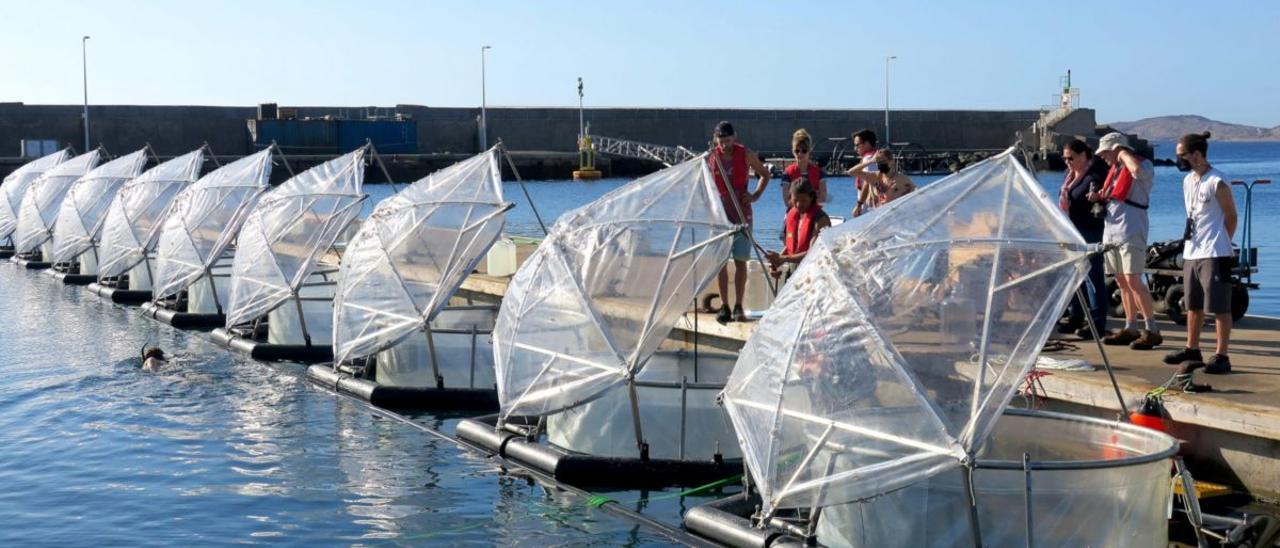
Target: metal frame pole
(484, 116)
(887, 58)
(1026, 498)
(283, 159)
(975, 528)
(431, 349)
(84, 64)
(302, 319)
(374, 152)
(212, 157)
(511, 163)
(1106, 363)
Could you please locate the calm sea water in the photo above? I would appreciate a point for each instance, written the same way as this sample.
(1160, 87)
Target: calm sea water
(1246, 161)
(221, 449)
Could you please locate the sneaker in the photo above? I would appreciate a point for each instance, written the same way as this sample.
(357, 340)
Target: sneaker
(1069, 327)
(1184, 355)
(1085, 333)
(1217, 364)
(738, 314)
(723, 316)
(1120, 337)
(1147, 340)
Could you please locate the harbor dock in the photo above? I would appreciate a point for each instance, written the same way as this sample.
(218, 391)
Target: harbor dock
(1230, 435)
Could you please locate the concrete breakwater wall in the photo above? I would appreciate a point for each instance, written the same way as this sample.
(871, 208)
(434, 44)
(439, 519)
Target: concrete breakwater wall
(174, 130)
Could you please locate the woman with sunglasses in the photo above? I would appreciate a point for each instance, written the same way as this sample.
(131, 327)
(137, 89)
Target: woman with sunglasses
(1085, 174)
(803, 168)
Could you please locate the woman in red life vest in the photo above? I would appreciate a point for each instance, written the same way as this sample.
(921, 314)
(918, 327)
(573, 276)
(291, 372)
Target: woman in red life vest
(738, 160)
(804, 221)
(802, 149)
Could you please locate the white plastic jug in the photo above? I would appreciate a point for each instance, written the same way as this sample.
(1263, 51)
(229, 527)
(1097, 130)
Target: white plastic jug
(501, 260)
(757, 298)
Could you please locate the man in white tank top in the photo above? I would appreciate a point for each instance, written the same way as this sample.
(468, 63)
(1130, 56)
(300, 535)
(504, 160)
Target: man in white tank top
(1206, 252)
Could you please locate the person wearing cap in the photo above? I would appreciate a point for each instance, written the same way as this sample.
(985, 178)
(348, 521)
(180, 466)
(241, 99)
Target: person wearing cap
(728, 155)
(1206, 272)
(1127, 194)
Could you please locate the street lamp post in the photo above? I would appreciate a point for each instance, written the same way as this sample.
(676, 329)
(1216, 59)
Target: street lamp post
(484, 120)
(84, 64)
(581, 118)
(887, 58)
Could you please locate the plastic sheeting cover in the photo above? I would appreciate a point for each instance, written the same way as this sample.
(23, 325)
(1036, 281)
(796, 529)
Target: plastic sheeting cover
(413, 252)
(871, 352)
(80, 218)
(40, 204)
(134, 218)
(204, 219)
(290, 228)
(600, 293)
(15, 186)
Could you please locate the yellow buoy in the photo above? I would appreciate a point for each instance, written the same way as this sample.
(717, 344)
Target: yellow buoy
(586, 161)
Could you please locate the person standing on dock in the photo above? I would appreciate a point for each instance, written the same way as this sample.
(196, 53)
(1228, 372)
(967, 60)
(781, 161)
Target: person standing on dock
(1085, 174)
(884, 183)
(1206, 271)
(1127, 193)
(730, 156)
(864, 144)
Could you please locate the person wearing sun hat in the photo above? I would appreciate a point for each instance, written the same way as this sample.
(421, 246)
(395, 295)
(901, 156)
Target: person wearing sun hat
(1127, 195)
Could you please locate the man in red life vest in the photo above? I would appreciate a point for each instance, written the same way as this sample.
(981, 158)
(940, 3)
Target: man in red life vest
(730, 156)
(804, 221)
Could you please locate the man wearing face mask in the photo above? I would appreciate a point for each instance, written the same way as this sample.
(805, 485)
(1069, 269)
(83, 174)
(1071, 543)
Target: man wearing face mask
(885, 183)
(1206, 252)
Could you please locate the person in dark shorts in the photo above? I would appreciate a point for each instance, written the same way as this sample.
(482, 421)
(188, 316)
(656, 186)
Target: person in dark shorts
(1206, 252)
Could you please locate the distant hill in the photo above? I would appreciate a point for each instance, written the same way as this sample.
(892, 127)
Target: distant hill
(1170, 128)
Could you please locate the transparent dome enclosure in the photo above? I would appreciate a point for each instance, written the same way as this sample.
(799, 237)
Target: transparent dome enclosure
(589, 307)
(289, 230)
(133, 221)
(15, 187)
(79, 222)
(411, 254)
(40, 204)
(900, 339)
(205, 219)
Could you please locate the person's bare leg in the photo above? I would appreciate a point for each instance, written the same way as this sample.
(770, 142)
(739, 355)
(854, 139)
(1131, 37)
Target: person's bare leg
(1195, 322)
(1223, 331)
(722, 282)
(1126, 300)
(739, 280)
(1143, 297)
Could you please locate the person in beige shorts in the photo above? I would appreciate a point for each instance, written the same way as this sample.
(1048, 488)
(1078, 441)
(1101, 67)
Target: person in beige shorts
(1127, 194)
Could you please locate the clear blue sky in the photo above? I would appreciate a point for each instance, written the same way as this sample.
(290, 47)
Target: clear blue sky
(1130, 59)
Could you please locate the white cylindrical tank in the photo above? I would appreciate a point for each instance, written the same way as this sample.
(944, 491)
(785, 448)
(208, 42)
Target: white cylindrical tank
(140, 277)
(284, 326)
(465, 361)
(88, 263)
(1093, 483)
(603, 427)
